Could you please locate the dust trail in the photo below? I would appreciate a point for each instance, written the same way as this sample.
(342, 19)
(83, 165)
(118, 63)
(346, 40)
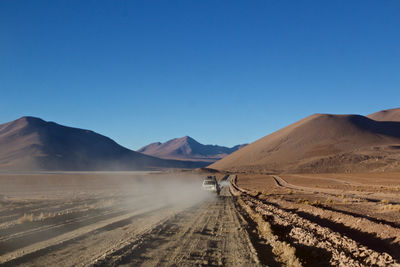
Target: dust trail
(40, 210)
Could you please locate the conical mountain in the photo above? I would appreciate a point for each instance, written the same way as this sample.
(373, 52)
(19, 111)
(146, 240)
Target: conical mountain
(322, 143)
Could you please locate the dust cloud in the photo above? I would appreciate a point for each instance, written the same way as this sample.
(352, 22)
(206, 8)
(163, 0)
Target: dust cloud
(38, 207)
(127, 188)
(167, 189)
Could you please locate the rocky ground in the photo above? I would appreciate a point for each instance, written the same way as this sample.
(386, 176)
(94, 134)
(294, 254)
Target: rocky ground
(306, 227)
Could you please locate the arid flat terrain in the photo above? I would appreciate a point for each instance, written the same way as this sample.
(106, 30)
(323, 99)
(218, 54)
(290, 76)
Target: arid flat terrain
(165, 219)
(132, 219)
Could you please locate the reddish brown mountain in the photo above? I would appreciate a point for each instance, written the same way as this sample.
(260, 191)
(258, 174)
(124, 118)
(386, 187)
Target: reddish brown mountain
(33, 144)
(386, 115)
(322, 143)
(186, 148)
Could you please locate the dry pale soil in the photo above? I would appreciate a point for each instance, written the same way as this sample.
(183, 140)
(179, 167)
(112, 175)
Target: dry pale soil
(154, 219)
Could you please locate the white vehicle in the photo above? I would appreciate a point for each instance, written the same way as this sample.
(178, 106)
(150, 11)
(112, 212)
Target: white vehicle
(211, 184)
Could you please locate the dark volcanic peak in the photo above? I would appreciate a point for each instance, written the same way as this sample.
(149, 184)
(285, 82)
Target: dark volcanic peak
(386, 115)
(34, 123)
(237, 147)
(31, 143)
(321, 143)
(187, 148)
(21, 122)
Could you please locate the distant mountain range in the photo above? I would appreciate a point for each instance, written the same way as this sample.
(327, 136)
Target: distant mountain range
(318, 143)
(31, 143)
(324, 143)
(186, 148)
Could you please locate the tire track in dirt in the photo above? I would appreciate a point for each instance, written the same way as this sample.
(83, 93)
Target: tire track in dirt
(48, 236)
(280, 182)
(26, 238)
(381, 237)
(320, 241)
(208, 234)
(25, 253)
(13, 239)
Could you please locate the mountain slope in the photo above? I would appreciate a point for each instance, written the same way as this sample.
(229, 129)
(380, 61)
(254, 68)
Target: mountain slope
(186, 148)
(386, 115)
(31, 143)
(321, 143)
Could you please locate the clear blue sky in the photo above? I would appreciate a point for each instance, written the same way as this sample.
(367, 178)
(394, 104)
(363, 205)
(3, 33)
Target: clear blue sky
(223, 72)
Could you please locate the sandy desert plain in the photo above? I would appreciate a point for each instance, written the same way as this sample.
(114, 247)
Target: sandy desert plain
(155, 218)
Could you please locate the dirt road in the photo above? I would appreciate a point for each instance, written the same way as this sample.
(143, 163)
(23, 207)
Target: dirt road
(187, 231)
(166, 221)
(211, 233)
